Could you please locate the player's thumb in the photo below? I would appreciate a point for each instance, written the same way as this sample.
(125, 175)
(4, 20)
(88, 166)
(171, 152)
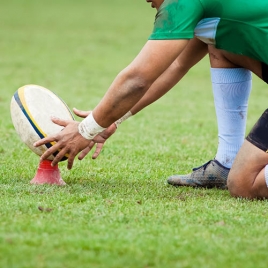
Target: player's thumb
(60, 122)
(80, 113)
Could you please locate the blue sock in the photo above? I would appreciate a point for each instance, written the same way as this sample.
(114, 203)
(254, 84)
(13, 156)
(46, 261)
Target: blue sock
(231, 89)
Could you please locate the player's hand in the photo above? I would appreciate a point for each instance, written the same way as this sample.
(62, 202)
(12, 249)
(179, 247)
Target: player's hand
(67, 142)
(99, 140)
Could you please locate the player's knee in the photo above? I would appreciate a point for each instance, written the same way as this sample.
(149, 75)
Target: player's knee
(233, 186)
(239, 189)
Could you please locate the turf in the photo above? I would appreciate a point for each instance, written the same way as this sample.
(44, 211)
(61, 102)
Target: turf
(115, 211)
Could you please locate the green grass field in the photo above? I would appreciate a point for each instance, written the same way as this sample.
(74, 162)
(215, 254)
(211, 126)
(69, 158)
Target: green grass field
(115, 211)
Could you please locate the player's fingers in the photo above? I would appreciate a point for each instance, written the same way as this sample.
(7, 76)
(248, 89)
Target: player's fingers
(58, 157)
(99, 147)
(84, 153)
(70, 161)
(60, 122)
(45, 140)
(81, 113)
(51, 151)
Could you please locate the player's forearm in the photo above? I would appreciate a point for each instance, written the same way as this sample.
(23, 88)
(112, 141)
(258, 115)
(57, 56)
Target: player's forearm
(192, 54)
(160, 87)
(123, 94)
(131, 84)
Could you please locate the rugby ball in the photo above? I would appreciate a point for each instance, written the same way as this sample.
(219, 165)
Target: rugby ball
(31, 109)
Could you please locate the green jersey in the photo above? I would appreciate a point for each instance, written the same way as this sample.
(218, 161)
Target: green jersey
(237, 26)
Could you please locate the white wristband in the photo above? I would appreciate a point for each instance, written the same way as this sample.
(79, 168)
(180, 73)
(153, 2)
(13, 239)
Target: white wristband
(89, 128)
(123, 118)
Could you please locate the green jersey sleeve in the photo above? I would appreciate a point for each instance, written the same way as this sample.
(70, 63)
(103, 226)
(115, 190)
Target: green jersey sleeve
(176, 19)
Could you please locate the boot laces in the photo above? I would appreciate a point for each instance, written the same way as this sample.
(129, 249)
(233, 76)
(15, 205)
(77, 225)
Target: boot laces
(204, 166)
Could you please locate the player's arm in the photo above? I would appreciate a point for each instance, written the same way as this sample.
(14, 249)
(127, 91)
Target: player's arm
(192, 54)
(125, 91)
(133, 82)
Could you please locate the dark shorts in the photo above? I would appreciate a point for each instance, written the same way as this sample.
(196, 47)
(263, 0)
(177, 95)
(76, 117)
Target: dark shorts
(264, 72)
(259, 133)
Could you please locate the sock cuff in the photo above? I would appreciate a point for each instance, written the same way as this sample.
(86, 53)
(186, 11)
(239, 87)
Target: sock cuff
(227, 152)
(229, 75)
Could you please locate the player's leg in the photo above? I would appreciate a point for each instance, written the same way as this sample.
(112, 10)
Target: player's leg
(231, 88)
(248, 177)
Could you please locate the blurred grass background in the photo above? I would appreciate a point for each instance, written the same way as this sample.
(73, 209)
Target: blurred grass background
(115, 211)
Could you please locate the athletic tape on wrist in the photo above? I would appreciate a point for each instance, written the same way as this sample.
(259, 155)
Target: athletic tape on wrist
(123, 118)
(89, 128)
